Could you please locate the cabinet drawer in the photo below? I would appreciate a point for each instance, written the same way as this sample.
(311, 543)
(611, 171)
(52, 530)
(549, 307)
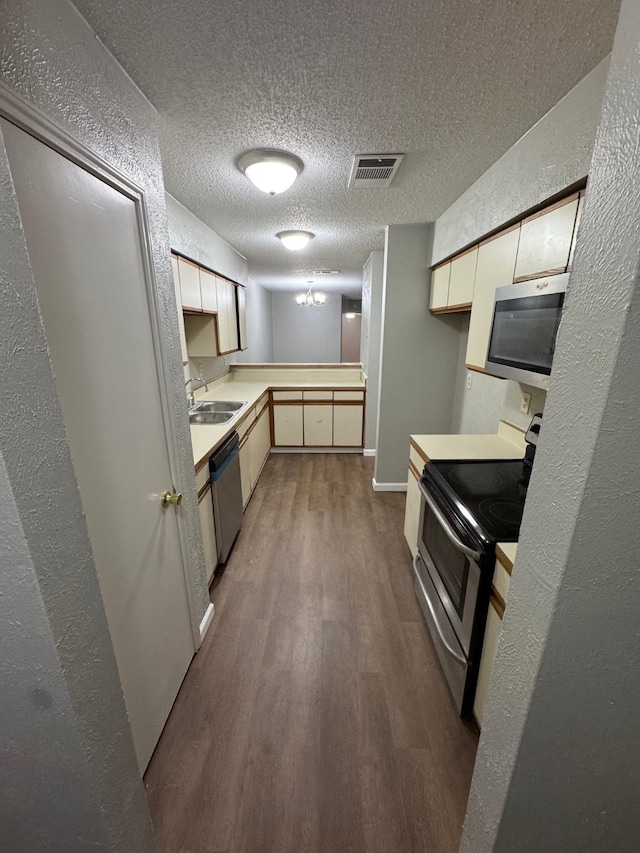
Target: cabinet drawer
(317, 395)
(348, 395)
(287, 395)
(415, 457)
(202, 476)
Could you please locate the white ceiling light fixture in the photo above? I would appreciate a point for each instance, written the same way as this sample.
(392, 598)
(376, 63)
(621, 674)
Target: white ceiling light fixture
(269, 170)
(295, 240)
(309, 299)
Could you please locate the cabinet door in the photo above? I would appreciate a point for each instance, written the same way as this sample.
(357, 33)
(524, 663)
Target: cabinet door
(242, 317)
(461, 279)
(545, 241)
(318, 426)
(489, 649)
(347, 426)
(261, 445)
(208, 291)
(190, 285)
(232, 317)
(287, 426)
(575, 229)
(496, 263)
(207, 523)
(412, 513)
(223, 315)
(440, 287)
(176, 285)
(245, 469)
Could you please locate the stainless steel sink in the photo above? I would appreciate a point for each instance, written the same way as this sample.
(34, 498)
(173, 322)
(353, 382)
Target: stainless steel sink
(218, 406)
(196, 416)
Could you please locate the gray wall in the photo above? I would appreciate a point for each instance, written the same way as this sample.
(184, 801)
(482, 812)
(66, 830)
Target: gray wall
(554, 154)
(557, 765)
(49, 56)
(419, 353)
(259, 325)
(370, 341)
(306, 334)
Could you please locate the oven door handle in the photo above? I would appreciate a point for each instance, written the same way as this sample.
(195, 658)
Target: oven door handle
(454, 654)
(435, 509)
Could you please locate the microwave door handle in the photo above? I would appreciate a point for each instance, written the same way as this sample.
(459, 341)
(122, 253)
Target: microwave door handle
(425, 595)
(451, 534)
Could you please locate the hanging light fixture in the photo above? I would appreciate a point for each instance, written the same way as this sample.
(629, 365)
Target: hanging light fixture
(309, 299)
(295, 240)
(271, 171)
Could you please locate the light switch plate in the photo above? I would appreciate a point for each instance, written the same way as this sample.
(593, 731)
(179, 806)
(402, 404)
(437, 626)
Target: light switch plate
(469, 377)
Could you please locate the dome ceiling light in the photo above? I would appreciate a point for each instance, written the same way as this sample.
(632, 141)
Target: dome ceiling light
(295, 240)
(271, 171)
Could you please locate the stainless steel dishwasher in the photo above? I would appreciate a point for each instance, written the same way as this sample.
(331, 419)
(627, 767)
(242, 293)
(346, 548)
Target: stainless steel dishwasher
(226, 487)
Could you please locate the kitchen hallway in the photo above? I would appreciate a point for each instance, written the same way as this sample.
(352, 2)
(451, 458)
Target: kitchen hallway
(315, 717)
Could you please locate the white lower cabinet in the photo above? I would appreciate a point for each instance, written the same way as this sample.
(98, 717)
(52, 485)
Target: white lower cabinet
(260, 445)
(287, 426)
(207, 524)
(412, 513)
(318, 425)
(489, 649)
(347, 425)
(245, 470)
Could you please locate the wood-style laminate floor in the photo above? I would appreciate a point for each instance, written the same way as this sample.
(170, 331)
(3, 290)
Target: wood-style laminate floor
(315, 718)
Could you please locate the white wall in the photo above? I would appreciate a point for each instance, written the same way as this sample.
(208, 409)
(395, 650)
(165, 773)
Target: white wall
(306, 334)
(557, 765)
(418, 356)
(554, 154)
(371, 340)
(259, 326)
(64, 720)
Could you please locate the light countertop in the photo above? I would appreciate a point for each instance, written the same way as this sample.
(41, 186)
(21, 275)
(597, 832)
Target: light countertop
(206, 437)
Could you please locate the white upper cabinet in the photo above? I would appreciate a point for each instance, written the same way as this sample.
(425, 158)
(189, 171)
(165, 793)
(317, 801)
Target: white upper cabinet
(190, 285)
(440, 287)
(461, 280)
(545, 240)
(208, 292)
(232, 317)
(223, 315)
(496, 263)
(242, 317)
(176, 285)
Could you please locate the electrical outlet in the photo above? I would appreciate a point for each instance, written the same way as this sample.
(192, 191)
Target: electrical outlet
(469, 377)
(200, 370)
(525, 402)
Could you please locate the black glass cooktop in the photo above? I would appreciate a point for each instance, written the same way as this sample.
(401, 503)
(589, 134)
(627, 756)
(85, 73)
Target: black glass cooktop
(487, 496)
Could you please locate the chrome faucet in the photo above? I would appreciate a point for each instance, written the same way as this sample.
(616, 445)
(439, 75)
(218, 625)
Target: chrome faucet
(191, 400)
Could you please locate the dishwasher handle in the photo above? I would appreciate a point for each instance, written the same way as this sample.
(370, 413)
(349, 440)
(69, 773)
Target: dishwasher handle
(220, 458)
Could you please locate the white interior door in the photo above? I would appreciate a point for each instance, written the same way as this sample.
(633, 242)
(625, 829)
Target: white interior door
(84, 245)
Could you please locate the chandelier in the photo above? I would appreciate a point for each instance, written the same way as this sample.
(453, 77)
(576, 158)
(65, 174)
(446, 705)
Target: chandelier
(309, 299)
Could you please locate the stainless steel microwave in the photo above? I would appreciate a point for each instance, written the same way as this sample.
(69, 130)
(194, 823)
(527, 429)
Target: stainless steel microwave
(525, 323)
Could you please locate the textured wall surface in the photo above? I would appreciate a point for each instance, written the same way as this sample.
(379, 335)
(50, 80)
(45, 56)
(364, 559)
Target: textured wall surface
(371, 340)
(557, 766)
(552, 155)
(50, 57)
(489, 400)
(306, 334)
(418, 355)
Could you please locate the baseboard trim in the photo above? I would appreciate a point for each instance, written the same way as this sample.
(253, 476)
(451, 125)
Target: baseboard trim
(388, 487)
(371, 452)
(206, 620)
(316, 450)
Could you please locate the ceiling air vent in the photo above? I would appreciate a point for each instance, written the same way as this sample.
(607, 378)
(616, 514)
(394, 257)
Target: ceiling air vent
(374, 170)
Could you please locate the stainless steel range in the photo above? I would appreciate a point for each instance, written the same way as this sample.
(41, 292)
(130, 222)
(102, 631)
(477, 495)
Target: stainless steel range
(467, 506)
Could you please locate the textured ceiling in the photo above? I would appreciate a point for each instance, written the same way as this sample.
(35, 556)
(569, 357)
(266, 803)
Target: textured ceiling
(451, 83)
